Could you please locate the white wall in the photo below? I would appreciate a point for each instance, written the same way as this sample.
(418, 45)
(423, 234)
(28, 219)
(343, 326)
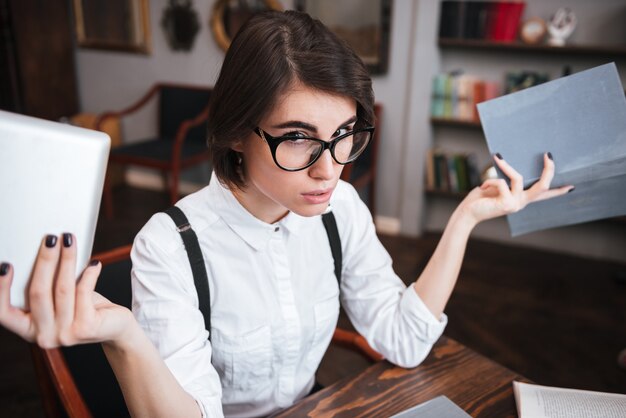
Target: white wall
(110, 80)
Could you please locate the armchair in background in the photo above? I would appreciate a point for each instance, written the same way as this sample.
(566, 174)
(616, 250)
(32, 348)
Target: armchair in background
(181, 137)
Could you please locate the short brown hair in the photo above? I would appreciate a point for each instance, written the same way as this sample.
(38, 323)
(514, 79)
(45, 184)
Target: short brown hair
(270, 52)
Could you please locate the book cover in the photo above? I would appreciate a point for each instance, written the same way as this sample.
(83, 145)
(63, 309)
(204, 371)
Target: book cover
(439, 407)
(581, 120)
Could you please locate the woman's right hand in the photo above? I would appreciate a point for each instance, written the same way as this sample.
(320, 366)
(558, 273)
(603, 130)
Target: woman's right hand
(63, 311)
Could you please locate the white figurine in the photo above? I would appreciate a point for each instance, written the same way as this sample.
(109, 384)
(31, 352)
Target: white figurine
(561, 26)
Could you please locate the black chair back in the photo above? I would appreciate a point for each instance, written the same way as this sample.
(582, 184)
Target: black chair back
(88, 365)
(179, 103)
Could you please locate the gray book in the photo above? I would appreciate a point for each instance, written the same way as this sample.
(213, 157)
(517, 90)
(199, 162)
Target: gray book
(439, 407)
(581, 120)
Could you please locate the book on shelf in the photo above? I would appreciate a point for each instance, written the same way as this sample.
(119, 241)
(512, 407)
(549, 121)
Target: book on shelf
(535, 401)
(451, 172)
(490, 20)
(455, 95)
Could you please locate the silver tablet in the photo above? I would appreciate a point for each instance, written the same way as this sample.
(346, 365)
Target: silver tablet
(51, 179)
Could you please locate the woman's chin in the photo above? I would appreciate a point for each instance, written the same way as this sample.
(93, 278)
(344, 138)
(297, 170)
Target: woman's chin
(310, 210)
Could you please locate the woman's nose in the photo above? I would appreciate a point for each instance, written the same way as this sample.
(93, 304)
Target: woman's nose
(324, 167)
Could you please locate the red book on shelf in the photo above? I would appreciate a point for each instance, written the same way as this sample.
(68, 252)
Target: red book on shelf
(498, 20)
(513, 16)
(491, 18)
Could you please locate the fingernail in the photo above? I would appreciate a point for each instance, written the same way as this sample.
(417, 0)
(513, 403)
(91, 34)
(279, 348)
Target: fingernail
(93, 263)
(571, 190)
(4, 269)
(499, 156)
(550, 156)
(67, 240)
(51, 241)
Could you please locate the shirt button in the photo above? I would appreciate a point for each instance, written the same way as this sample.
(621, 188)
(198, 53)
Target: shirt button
(277, 229)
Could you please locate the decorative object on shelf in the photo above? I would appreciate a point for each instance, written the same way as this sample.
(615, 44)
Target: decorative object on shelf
(228, 16)
(119, 25)
(516, 81)
(533, 31)
(561, 26)
(181, 24)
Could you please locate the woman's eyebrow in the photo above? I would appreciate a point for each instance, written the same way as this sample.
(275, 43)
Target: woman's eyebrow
(308, 126)
(349, 121)
(296, 124)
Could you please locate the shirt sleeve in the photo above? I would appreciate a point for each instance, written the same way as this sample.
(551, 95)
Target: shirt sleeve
(390, 315)
(165, 304)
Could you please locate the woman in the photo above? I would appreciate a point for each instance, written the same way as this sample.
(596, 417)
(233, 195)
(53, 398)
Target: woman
(292, 104)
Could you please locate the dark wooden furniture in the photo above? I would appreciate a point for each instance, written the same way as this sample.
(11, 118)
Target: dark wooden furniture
(478, 385)
(77, 382)
(181, 137)
(362, 172)
(485, 45)
(37, 68)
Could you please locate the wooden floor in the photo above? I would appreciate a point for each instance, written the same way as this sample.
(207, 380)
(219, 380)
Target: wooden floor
(557, 319)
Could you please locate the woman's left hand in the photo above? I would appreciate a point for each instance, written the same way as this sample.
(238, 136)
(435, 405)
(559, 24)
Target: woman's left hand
(495, 198)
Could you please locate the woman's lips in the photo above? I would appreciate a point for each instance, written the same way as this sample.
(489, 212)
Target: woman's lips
(318, 196)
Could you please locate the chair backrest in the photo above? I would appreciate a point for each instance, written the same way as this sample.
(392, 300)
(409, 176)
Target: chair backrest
(178, 103)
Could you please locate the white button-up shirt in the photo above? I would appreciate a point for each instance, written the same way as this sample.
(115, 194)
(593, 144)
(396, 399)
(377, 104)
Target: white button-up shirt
(274, 300)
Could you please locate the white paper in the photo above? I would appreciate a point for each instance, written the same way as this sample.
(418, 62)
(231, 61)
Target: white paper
(534, 401)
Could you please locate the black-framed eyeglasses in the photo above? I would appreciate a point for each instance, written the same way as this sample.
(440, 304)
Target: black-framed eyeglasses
(297, 152)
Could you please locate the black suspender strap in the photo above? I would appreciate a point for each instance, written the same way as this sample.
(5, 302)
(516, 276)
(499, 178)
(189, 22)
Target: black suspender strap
(335, 242)
(198, 269)
(200, 278)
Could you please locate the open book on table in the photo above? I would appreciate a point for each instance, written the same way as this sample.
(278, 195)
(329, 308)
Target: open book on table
(534, 401)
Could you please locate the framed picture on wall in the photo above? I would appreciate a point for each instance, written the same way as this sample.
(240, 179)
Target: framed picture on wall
(121, 25)
(365, 26)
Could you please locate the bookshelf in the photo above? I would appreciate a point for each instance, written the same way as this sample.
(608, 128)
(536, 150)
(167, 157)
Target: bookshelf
(449, 195)
(488, 59)
(457, 123)
(477, 44)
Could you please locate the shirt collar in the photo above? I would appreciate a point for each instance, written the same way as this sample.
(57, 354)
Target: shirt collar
(252, 230)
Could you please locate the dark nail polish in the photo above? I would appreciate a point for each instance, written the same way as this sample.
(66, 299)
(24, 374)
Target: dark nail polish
(571, 190)
(51, 241)
(4, 269)
(550, 156)
(499, 156)
(93, 263)
(67, 240)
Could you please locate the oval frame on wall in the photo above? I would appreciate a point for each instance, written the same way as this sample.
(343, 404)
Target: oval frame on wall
(218, 26)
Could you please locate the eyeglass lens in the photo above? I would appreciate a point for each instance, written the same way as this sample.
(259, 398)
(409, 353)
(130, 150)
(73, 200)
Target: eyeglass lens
(299, 153)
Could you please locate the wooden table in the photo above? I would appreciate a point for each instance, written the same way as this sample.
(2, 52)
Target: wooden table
(478, 385)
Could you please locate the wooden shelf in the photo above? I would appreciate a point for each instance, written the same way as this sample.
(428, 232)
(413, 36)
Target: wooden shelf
(443, 193)
(610, 50)
(459, 123)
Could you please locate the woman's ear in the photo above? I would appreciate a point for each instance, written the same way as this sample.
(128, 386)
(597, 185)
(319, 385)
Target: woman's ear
(237, 146)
